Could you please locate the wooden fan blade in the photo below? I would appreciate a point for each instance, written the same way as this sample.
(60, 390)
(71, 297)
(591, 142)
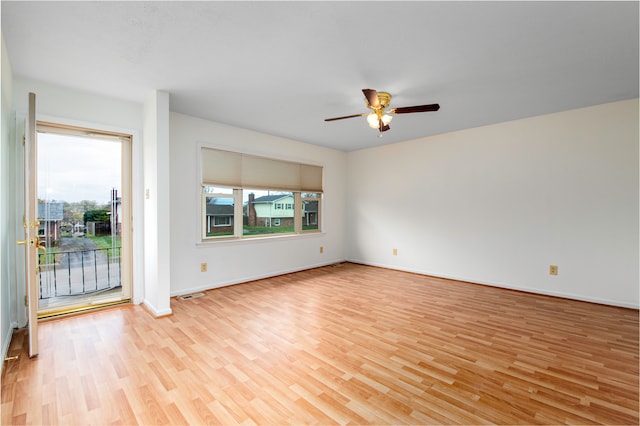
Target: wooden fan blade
(417, 108)
(372, 98)
(342, 118)
(384, 128)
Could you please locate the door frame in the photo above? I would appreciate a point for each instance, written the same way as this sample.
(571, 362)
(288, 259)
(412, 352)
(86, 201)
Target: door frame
(17, 151)
(126, 139)
(136, 197)
(30, 224)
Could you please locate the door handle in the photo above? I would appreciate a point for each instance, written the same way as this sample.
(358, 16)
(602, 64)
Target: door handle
(39, 246)
(34, 242)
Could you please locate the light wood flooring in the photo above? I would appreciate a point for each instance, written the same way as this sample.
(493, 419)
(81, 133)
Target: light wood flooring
(334, 345)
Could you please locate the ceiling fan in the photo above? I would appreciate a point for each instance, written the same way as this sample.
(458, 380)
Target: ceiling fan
(378, 118)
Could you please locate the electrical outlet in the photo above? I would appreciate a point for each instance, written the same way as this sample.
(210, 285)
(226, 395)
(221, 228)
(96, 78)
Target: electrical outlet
(321, 249)
(553, 269)
(395, 251)
(203, 267)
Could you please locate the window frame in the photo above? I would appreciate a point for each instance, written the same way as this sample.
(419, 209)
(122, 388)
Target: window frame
(203, 211)
(239, 216)
(318, 198)
(239, 172)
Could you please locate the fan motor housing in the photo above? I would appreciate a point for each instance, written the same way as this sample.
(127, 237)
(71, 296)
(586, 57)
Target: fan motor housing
(385, 100)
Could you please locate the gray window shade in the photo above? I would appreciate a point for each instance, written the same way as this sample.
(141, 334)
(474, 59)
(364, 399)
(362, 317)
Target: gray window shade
(237, 170)
(310, 178)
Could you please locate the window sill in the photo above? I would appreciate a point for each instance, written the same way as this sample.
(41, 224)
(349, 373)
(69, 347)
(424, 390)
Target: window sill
(259, 239)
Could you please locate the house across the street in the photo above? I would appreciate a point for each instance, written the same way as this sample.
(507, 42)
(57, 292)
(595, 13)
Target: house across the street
(270, 210)
(219, 216)
(50, 216)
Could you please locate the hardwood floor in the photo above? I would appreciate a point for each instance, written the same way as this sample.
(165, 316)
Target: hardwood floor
(334, 345)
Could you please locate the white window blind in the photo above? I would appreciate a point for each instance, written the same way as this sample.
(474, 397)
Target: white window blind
(221, 167)
(61, 129)
(226, 168)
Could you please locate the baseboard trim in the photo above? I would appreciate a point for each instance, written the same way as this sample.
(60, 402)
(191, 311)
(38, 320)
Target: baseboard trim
(5, 348)
(506, 286)
(411, 270)
(253, 278)
(156, 313)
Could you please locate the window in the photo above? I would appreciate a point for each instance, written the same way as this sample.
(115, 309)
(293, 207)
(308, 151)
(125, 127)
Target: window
(223, 221)
(218, 211)
(310, 211)
(246, 196)
(264, 213)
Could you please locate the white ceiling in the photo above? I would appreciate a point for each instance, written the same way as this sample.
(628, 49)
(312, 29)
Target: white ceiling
(282, 67)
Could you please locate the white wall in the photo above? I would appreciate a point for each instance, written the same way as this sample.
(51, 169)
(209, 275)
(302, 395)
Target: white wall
(6, 229)
(499, 204)
(233, 262)
(157, 263)
(70, 104)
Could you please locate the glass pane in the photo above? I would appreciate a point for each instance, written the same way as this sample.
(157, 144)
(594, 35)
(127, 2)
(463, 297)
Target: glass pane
(217, 190)
(80, 214)
(266, 212)
(219, 216)
(311, 211)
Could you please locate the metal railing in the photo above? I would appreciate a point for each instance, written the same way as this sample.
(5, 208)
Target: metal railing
(74, 273)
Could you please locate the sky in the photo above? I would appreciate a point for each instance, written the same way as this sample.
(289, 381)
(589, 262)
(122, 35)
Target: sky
(72, 168)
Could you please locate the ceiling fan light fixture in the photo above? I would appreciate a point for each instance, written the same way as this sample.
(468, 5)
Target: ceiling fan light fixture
(372, 119)
(379, 118)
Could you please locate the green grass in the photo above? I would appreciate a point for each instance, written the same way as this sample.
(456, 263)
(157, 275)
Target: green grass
(219, 234)
(104, 241)
(262, 230)
(48, 257)
(257, 230)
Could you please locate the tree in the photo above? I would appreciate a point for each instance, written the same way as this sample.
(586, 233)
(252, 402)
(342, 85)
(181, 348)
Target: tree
(96, 216)
(74, 212)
